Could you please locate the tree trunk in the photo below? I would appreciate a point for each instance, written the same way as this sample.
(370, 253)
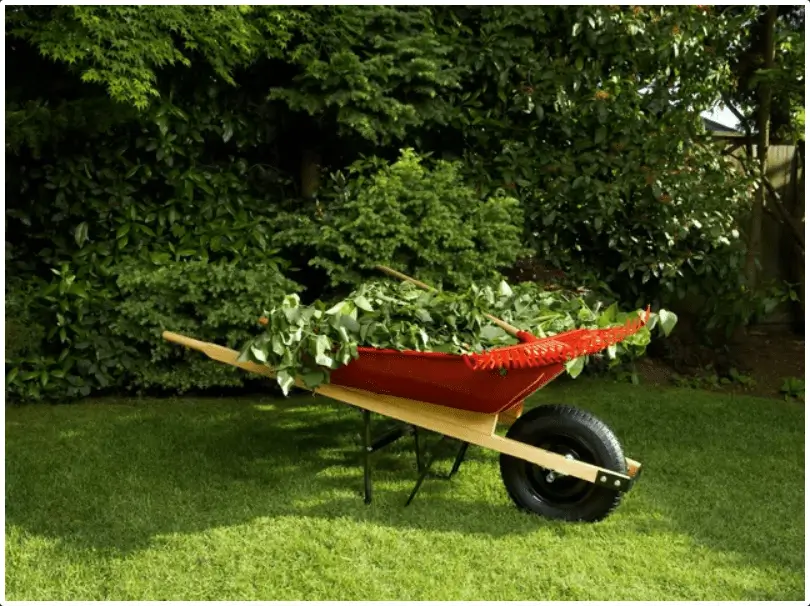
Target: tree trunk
(797, 265)
(310, 173)
(763, 135)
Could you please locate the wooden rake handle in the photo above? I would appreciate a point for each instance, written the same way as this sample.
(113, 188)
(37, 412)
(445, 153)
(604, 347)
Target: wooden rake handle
(404, 277)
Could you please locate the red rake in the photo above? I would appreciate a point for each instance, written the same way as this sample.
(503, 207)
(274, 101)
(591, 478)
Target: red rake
(540, 352)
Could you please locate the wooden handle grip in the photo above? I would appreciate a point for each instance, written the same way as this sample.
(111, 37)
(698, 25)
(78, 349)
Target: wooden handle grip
(504, 325)
(405, 277)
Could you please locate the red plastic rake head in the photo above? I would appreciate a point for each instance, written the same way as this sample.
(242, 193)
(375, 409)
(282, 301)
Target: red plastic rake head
(537, 352)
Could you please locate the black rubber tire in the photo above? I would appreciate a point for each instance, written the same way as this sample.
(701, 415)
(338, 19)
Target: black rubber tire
(563, 429)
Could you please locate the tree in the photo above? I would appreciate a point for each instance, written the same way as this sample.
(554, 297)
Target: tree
(591, 116)
(767, 97)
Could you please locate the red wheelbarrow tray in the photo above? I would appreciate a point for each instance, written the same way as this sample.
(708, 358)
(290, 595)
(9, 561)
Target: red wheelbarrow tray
(487, 382)
(462, 396)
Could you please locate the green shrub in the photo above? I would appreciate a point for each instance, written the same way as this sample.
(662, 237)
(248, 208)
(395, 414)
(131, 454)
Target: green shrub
(418, 217)
(218, 302)
(78, 354)
(80, 336)
(23, 335)
(115, 196)
(792, 387)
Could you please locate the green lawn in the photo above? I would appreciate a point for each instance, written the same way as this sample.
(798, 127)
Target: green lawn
(260, 498)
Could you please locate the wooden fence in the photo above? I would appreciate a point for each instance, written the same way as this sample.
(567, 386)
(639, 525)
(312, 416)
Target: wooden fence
(782, 258)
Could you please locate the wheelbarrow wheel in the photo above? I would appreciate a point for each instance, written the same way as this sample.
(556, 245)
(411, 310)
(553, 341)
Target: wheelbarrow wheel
(575, 434)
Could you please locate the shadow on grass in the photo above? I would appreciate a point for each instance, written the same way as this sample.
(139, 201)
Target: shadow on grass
(118, 476)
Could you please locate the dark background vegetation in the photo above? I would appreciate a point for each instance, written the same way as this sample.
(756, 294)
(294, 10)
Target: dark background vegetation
(183, 167)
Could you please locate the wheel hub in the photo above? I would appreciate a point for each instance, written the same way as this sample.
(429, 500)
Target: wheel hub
(553, 475)
(556, 487)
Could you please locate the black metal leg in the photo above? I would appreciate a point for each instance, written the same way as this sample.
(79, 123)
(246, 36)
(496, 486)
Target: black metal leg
(424, 460)
(425, 470)
(367, 448)
(418, 449)
(388, 438)
(459, 458)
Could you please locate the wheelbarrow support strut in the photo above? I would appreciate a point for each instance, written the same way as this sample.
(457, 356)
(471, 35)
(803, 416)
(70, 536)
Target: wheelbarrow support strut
(423, 468)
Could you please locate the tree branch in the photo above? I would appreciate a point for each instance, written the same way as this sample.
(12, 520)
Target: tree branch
(776, 217)
(743, 120)
(731, 149)
(746, 124)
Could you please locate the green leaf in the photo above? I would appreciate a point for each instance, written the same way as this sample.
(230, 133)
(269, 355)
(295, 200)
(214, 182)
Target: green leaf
(227, 133)
(504, 289)
(322, 345)
(285, 380)
(324, 360)
(424, 316)
(492, 333)
(363, 303)
(349, 323)
(667, 321)
(313, 379)
(575, 366)
(258, 354)
(81, 233)
(609, 316)
(336, 309)
(12, 375)
(538, 110)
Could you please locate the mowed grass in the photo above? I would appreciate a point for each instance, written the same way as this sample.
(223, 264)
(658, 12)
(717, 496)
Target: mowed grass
(260, 498)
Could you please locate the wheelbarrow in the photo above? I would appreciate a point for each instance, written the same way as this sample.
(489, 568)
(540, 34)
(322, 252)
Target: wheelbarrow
(555, 460)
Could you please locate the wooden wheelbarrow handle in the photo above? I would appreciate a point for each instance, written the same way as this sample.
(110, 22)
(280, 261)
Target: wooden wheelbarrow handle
(404, 277)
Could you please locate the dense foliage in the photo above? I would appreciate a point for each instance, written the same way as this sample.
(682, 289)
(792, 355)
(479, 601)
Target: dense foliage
(591, 115)
(150, 137)
(309, 341)
(217, 302)
(786, 77)
(409, 215)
